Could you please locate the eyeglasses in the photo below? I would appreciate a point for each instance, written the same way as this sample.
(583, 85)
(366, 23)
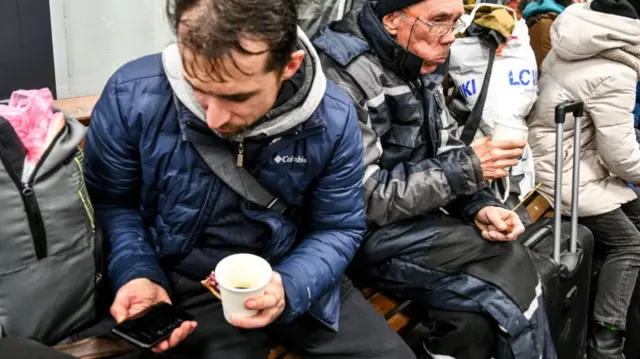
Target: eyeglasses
(439, 29)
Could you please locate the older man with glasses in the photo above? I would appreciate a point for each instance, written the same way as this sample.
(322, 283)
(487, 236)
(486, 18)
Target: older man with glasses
(437, 234)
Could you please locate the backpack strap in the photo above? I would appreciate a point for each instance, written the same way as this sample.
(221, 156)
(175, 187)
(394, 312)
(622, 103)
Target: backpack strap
(220, 160)
(475, 117)
(218, 157)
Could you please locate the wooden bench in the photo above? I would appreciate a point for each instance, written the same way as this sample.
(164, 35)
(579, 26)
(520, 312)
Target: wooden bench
(395, 312)
(78, 107)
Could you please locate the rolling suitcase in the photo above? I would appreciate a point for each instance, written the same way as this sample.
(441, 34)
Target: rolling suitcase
(562, 253)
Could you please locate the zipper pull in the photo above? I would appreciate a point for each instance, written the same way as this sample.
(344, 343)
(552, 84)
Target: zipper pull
(26, 189)
(240, 160)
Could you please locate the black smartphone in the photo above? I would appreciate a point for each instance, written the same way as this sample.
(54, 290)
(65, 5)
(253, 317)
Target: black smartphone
(153, 325)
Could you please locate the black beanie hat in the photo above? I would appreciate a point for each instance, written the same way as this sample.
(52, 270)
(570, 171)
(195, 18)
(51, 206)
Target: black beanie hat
(384, 7)
(626, 8)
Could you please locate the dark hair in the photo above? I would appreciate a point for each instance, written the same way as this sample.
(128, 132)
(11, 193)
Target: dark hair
(219, 25)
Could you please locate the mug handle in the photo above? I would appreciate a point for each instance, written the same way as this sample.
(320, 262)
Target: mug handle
(211, 289)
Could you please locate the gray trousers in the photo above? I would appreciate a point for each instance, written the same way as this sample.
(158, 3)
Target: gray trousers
(619, 232)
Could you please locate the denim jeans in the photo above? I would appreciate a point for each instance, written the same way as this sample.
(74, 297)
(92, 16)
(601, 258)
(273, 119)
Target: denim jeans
(619, 231)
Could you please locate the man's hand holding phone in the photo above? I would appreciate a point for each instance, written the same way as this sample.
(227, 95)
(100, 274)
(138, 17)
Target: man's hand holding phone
(141, 294)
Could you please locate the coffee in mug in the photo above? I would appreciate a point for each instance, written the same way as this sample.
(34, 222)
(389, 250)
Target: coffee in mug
(240, 277)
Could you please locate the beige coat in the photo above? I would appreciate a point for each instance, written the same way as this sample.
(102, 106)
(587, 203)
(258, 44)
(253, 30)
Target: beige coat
(576, 69)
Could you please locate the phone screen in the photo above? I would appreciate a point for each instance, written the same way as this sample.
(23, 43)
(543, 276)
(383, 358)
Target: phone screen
(150, 327)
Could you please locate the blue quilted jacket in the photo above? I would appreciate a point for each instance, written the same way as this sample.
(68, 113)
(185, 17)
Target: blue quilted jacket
(154, 195)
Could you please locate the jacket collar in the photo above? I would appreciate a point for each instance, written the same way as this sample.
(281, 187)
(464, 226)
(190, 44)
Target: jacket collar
(296, 103)
(393, 56)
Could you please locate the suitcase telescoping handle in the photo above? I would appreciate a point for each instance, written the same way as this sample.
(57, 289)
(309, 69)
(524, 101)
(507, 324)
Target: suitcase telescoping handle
(577, 108)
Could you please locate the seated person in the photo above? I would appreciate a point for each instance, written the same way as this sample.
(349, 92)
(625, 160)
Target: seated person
(391, 57)
(594, 58)
(241, 76)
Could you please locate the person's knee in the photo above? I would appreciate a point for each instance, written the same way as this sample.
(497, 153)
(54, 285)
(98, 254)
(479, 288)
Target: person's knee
(461, 334)
(476, 327)
(471, 327)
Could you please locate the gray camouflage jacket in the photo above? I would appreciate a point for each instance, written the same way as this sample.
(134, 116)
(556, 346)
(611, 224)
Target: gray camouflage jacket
(414, 161)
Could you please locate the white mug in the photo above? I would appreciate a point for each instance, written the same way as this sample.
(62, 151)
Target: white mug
(240, 277)
(503, 130)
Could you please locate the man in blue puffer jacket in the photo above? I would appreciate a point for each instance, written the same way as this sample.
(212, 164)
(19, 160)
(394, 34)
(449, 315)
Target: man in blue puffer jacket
(242, 76)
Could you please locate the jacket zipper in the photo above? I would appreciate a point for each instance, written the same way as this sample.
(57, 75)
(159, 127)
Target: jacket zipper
(36, 224)
(36, 227)
(286, 140)
(315, 129)
(240, 157)
(34, 216)
(296, 136)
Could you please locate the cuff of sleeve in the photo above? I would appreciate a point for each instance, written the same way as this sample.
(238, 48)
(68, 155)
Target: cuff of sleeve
(462, 179)
(298, 298)
(484, 198)
(477, 167)
(135, 268)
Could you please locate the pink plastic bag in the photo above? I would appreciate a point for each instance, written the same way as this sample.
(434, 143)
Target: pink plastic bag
(30, 112)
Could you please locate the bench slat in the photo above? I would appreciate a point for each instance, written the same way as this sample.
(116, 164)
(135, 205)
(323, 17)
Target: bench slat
(399, 321)
(78, 107)
(277, 352)
(382, 304)
(368, 292)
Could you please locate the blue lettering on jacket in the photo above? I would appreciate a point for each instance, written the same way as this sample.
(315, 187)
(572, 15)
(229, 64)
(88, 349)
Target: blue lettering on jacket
(468, 88)
(524, 77)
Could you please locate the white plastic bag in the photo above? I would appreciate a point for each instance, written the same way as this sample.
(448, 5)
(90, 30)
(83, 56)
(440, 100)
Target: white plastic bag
(513, 87)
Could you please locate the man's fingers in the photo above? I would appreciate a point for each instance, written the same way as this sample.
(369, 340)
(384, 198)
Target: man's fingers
(263, 302)
(494, 235)
(506, 163)
(510, 144)
(119, 313)
(516, 232)
(495, 217)
(517, 228)
(163, 346)
(496, 173)
(260, 320)
(120, 309)
(514, 229)
(481, 226)
(498, 236)
(499, 154)
(180, 334)
(177, 336)
(480, 141)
